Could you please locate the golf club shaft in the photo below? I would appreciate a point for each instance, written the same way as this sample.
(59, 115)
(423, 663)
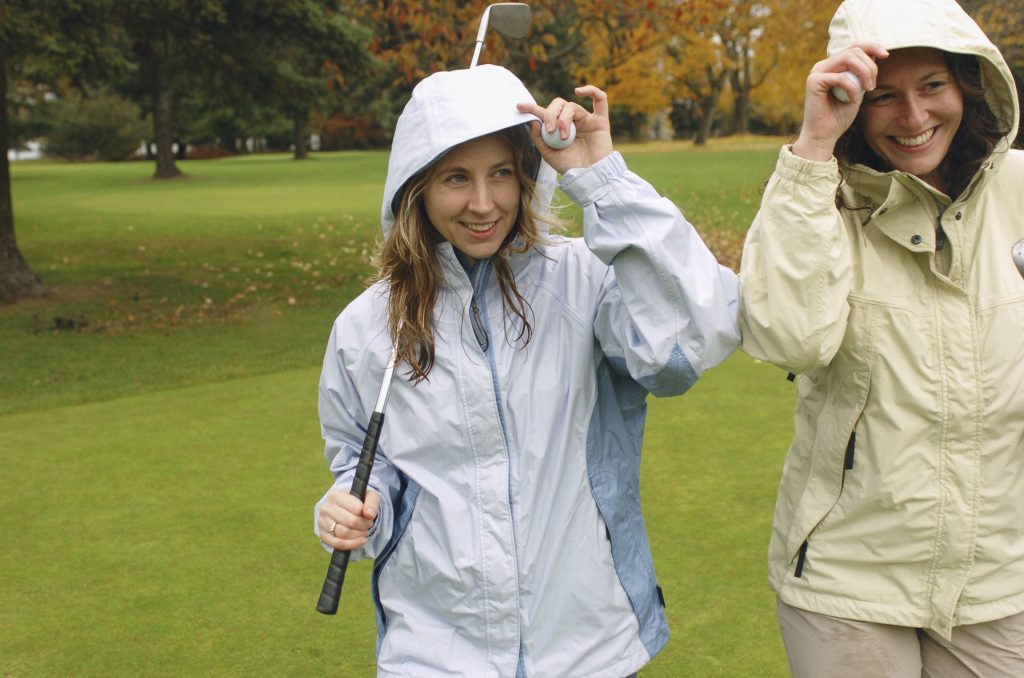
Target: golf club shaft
(476, 55)
(481, 33)
(508, 18)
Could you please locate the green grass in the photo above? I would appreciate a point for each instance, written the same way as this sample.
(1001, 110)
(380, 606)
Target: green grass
(162, 454)
(719, 188)
(240, 268)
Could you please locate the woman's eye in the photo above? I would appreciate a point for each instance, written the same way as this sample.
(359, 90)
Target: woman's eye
(504, 173)
(935, 85)
(456, 179)
(880, 99)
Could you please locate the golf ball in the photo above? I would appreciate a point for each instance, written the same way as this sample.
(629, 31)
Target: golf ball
(554, 138)
(1018, 255)
(840, 93)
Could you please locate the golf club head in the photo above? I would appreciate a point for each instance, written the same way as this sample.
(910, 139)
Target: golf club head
(1018, 255)
(508, 18)
(511, 18)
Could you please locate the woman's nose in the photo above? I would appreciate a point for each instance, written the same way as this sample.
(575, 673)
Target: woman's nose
(914, 113)
(481, 199)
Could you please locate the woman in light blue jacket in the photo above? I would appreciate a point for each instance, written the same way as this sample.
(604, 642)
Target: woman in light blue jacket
(504, 510)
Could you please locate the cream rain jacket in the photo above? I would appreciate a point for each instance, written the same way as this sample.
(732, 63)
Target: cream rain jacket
(510, 540)
(902, 497)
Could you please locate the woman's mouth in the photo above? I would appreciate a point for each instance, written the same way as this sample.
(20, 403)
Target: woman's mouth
(479, 227)
(913, 142)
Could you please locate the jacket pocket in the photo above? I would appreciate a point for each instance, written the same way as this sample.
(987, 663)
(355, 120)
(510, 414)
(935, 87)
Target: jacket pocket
(830, 407)
(801, 556)
(405, 507)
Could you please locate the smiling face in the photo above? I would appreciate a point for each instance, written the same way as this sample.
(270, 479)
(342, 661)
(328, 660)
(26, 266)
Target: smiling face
(910, 119)
(472, 198)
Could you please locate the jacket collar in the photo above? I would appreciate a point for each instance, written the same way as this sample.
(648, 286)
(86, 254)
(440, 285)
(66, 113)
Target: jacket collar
(905, 208)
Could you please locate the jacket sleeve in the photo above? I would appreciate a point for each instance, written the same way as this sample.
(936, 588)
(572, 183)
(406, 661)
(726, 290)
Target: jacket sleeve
(344, 415)
(666, 309)
(795, 272)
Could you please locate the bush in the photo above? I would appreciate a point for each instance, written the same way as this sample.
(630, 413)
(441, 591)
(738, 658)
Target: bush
(103, 126)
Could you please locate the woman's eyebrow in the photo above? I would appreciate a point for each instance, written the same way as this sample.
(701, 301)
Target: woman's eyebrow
(923, 78)
(445, 169)
(932, 74)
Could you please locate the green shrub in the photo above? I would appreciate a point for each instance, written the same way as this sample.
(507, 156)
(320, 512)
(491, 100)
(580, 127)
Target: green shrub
(102, 126)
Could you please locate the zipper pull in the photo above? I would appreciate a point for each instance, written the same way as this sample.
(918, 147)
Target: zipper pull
(478, 326)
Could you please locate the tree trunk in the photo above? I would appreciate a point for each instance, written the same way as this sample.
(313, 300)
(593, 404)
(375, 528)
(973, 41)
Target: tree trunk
(299, 137)
(704, 128)
(743, 98)
(17, 281)
(165, 165)
(735, 114)
(740, 83)
(707, 108)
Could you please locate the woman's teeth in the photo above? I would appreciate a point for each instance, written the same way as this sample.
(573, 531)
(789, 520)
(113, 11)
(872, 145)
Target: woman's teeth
(479, 228)
(915, 141)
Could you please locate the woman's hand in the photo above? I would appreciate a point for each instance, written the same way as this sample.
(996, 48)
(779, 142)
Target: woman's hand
(593, 130)
(345, 521)
(825, 116)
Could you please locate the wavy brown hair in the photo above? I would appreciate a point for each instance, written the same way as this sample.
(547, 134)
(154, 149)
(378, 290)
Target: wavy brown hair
(409, 266)
(975, 140)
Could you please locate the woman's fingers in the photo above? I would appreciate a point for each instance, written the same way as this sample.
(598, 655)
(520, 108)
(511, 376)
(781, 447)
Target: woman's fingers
(344, 521)
(859, 60)
(598, 96)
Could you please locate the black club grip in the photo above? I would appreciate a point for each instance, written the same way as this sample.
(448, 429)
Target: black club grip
(331, 592)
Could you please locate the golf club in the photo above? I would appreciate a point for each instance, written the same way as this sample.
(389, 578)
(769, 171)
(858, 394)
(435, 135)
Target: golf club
(508, 18)
(331, 593)
(1018, 255)
(513, 19)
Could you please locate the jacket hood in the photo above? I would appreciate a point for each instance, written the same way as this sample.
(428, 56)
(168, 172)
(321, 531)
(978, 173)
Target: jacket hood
(941, 24)
(449, 108)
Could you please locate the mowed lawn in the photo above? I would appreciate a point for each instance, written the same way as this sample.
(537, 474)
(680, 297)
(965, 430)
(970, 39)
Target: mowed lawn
(161, 450)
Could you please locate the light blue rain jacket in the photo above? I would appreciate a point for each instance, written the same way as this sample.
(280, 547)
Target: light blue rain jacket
(510, 540)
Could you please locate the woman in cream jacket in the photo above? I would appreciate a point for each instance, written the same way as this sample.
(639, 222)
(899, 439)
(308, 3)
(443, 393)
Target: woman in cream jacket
(879, 270)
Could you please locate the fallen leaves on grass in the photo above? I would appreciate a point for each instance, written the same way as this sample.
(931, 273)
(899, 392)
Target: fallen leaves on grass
(59, 323)
(727, 246)
(297, 268)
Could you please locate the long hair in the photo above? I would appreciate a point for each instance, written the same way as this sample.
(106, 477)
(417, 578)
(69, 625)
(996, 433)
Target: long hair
(407, 262)
(975, 140)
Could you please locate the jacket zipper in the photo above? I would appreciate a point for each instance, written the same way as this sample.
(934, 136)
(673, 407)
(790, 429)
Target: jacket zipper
(480, 272)
(940, 235)
(800, 560)
(851, 446)
(477, 277)
(478, 325)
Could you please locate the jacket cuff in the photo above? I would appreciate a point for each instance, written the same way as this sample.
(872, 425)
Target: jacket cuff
(799, 170)
(587, 185)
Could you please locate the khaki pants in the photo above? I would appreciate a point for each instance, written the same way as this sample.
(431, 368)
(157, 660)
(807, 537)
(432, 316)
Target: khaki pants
(820, 646)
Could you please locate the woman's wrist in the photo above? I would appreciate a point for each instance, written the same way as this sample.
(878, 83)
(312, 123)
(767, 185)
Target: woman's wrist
(810, 149)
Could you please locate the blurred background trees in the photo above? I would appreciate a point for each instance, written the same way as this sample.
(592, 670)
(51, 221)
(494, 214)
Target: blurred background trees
(229, 76)
(169, 79)
(47, 48)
